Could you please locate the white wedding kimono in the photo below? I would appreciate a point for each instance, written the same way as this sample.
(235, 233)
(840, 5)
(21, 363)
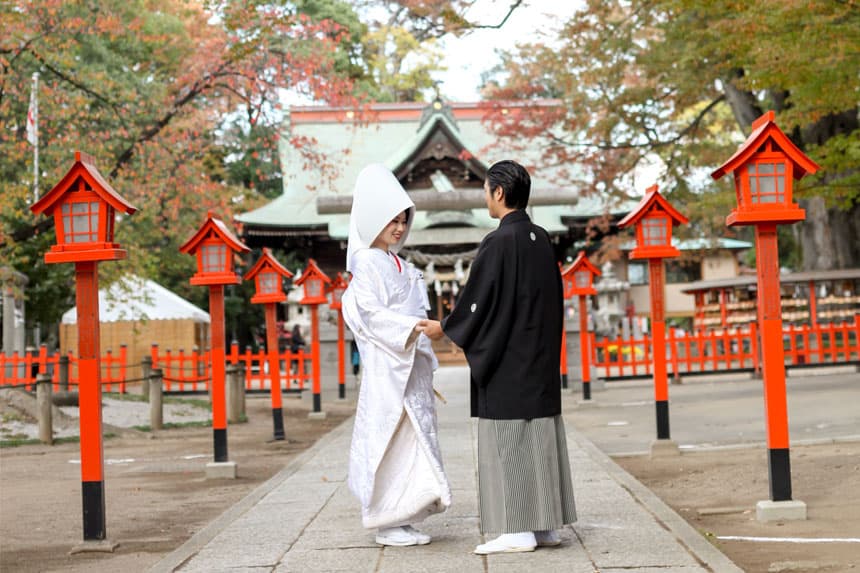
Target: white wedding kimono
(395, 465)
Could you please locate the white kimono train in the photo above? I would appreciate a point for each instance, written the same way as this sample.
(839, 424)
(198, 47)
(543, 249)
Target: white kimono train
(395, 465)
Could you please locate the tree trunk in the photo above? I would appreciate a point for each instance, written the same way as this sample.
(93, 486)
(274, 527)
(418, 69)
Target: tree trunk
(829, 238)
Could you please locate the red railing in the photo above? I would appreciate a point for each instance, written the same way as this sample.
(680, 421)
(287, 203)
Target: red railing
(21, 371)
(182, 372)
(728, 349)
(294, 371)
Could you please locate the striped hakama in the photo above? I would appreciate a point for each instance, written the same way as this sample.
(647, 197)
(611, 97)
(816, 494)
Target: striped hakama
(524, 481)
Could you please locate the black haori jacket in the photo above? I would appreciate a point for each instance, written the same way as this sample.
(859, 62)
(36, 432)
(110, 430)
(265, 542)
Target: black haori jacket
(508, 321)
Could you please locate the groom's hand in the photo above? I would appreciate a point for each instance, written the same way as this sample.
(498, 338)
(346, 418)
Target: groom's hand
(433, 329)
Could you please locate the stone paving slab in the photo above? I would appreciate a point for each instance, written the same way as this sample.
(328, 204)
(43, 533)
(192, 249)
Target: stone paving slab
(305, 519)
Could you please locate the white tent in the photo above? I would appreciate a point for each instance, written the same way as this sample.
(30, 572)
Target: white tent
(135, 299)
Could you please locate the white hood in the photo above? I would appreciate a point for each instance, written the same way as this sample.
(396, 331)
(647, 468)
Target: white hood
(377, 199)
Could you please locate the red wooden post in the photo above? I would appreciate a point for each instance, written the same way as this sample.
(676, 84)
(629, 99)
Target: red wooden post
(214, 246)
(654, 218)
(315, 357)
(583, 345)
(813, 305)
(773, 358)
(673, 353)
(857, 334)
(341, 357)
(337, 289)
(84, 208)
(764, 168)
(123, 358)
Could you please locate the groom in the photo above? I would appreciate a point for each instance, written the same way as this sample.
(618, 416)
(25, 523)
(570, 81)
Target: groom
(508, 321)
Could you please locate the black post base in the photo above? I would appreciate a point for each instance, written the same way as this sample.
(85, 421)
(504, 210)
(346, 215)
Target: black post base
(662, 419)
(779, 472)
(278, 423)
(586, 390)
(317, 403)
(220, 442)
(93, 496)
(564, 381)
(341, 391)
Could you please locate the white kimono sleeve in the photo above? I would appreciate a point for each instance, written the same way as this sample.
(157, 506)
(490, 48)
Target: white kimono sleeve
(367, 315)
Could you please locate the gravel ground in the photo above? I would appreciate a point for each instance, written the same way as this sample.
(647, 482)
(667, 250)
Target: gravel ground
(18, 424)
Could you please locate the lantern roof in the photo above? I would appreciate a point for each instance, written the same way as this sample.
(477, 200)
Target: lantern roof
(310, 270)
(581, 262)
(84, 167)
(339, 281)
(652, 200)
(268, 261)
(217, 226)
(764, 129)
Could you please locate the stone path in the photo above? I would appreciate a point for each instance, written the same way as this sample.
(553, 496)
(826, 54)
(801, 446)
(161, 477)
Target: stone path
(305, 519)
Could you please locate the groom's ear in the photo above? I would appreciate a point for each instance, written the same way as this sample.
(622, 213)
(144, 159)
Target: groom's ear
(499, 194)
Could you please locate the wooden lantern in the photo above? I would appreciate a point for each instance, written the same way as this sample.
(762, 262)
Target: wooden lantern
(84, 207)
(654, 218)
(338, 287)
(214, 246)
(314, 283)
(764, 168)
(579, 277)
(268, 276)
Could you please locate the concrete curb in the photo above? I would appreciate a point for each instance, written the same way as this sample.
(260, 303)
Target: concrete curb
(695, 543)
(181, 554)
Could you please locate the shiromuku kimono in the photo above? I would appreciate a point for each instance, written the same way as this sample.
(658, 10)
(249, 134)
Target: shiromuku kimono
(395, 465)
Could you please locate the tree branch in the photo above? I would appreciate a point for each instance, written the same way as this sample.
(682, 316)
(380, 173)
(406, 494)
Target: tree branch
(691, 127)
(196, 89)
(516, 4)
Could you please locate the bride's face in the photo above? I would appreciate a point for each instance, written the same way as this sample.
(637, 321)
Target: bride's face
(392, 233)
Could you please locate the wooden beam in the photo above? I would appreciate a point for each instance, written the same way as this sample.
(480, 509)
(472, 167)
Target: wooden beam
(432, 200)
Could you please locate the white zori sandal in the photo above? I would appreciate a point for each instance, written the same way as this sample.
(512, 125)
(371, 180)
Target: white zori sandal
(509, 543)
(401, 536)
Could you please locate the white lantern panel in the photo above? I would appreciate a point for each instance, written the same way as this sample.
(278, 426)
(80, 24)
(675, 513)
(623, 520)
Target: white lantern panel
(214, 258)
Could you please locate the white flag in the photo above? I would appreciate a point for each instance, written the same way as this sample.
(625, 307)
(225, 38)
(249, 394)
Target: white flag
(33, 118)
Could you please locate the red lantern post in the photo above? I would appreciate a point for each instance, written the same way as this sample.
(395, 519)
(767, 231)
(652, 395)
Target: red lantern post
(579, 281)
(268, 275)
(763, 169)
(84, 207)
(214, 247)
(654, 218)
(337, 289)
(314, 282)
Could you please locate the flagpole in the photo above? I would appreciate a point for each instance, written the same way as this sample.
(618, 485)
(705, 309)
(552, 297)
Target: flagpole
(36, 135)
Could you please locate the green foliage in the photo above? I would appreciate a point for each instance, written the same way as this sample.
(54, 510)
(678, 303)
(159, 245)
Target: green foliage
(678, 82)
(147, 88)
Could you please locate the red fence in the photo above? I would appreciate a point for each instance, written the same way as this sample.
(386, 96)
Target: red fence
(729, 349)
(182, 372)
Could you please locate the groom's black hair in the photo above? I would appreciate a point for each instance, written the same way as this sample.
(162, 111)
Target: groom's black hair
(514, 181)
